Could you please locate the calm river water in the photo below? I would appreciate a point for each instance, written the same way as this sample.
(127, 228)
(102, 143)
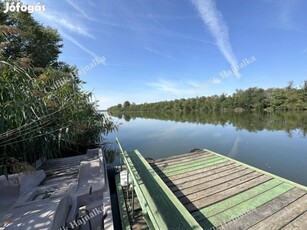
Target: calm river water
(274, 142)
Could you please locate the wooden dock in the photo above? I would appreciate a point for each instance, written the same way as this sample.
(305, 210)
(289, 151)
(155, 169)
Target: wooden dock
(221, 193)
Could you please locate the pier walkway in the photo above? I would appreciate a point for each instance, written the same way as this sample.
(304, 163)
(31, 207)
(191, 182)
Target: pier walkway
(221, 193)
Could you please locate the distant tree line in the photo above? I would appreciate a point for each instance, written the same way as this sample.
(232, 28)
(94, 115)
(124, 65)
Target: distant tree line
(252, 99)
(288, 121)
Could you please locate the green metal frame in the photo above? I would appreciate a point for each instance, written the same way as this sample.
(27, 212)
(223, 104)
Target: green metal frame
(156, 199)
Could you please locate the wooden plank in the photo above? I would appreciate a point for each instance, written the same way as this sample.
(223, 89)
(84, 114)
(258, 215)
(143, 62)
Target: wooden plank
(202, 178)
(178, 157)
(207, 182)
(208, 189)
(121, 204)
(249, 205)
(179, 163)
(190, 164)
(299, 223)
(264, 211)
(259, 170)
(284, 216)
(185, 177)
(235, 200)
(195, 167)
(209, 200)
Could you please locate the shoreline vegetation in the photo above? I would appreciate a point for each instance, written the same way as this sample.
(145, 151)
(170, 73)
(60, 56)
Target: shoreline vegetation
(251, 99)
(290, 122)
(45, 113)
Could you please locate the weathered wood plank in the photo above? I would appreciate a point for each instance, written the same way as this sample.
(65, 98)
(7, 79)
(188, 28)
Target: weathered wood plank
(185, 176)
(195, 167)
(284, 216)
(205, 183)
(180, 160)
(300, 223)
(185, 162)
(205, 177)
(259, 170)
(178, 157)
(265, 210)
(208, 189)
(249, 205)
(217, 190)
(235, 200)
(205, 201)
(190, 164)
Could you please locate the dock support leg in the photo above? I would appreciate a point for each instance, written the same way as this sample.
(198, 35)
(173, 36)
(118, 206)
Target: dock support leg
(121, 163)
(132, 192)
(127, 185)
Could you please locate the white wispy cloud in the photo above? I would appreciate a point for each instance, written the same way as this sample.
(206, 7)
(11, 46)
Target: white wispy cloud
(179, 88)
(216, 81)
(158, 52)
(65, 24)
(68, 26)
(78, 8)
(75, 42)
(213, 19)
(166, 86)
(286, 13)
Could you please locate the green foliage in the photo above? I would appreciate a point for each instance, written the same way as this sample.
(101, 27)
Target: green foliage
(288, 121)
(45, 113)
(252, 99)
(25, 38)
(126, 104)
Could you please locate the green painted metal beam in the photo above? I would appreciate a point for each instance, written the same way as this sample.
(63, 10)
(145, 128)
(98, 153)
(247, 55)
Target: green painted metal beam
(161, 207)
(121, 204)
(184, 217)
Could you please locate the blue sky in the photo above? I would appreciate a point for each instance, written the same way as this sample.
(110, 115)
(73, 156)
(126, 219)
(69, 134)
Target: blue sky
(156, 50)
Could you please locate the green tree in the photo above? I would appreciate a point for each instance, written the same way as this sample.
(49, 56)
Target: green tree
(251, 99)
(41, 45)
(119, 107)
(126, 104)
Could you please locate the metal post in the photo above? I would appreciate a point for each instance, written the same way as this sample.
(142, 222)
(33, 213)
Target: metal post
(132, 200)
(127, 185)
(120, 162)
